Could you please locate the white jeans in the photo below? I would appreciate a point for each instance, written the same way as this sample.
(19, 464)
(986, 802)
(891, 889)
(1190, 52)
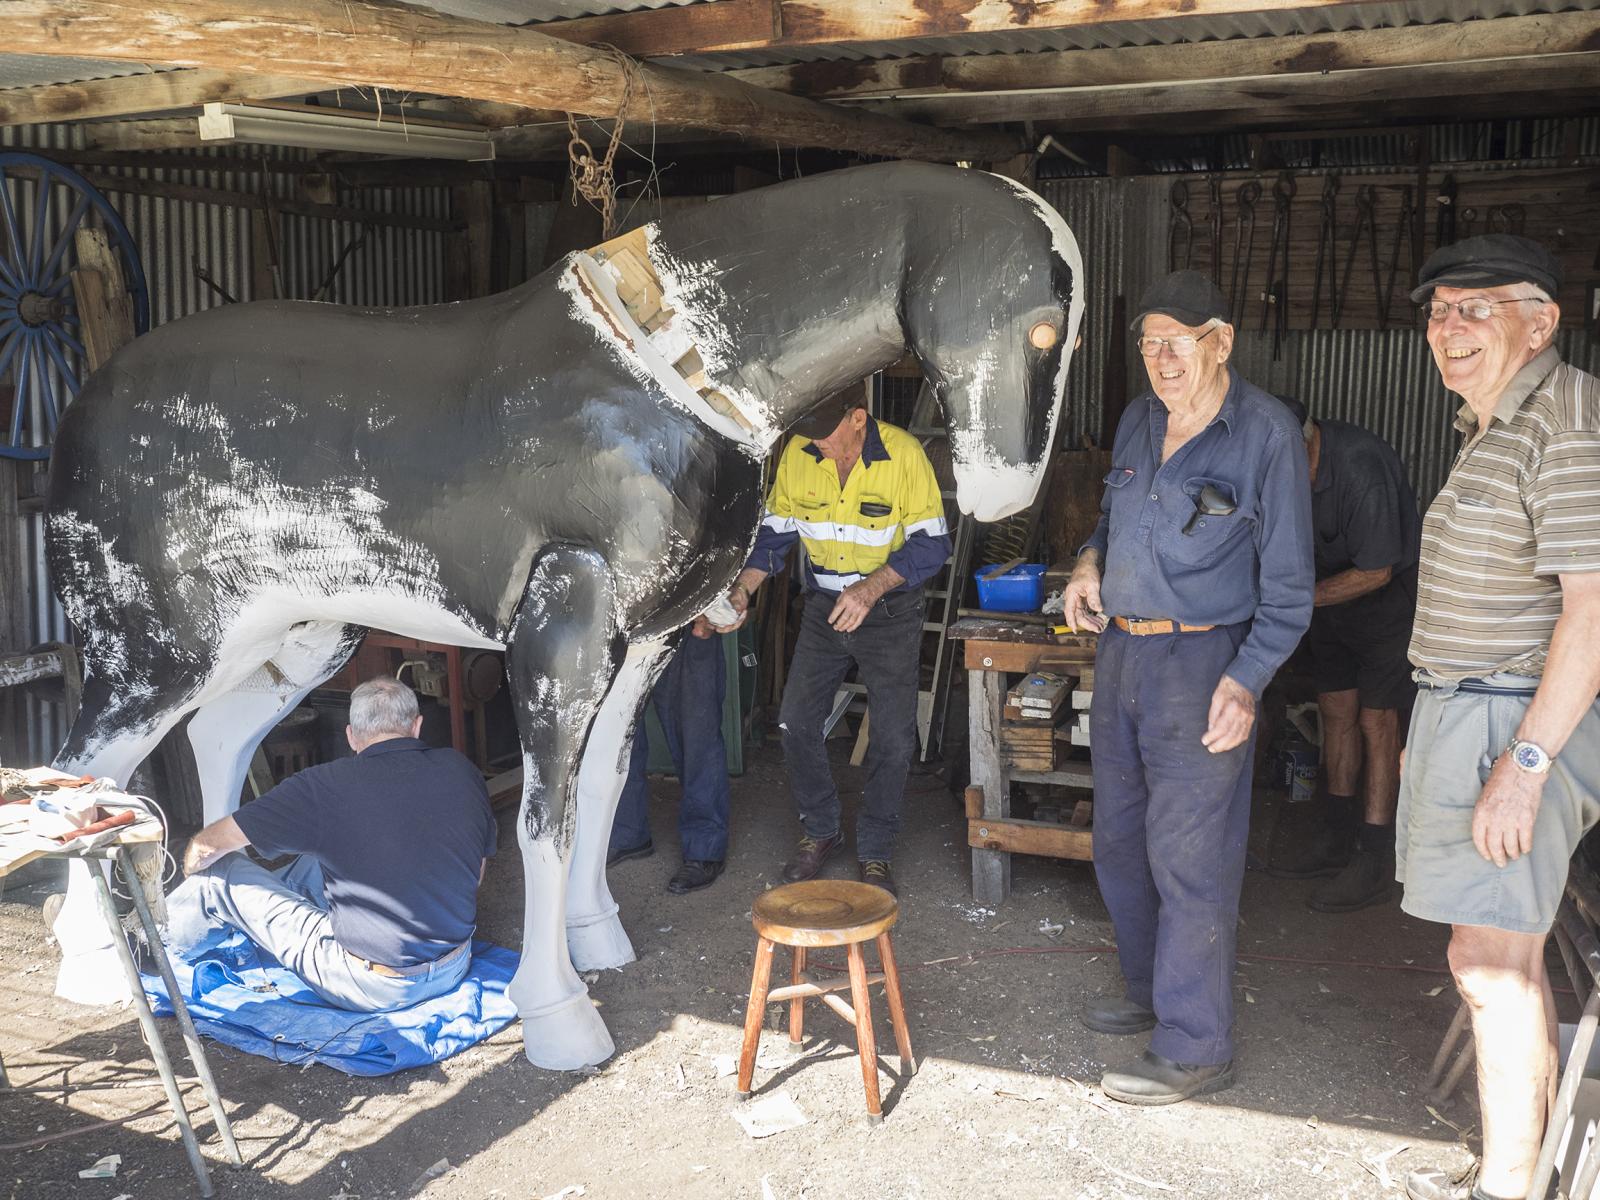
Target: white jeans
(285, 913)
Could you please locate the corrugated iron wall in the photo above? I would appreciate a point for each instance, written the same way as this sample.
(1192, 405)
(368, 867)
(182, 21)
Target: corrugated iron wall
(1384, 380)
(390, 267)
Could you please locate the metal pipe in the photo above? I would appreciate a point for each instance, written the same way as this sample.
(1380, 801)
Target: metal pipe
(191, 1038)
(147, 1020)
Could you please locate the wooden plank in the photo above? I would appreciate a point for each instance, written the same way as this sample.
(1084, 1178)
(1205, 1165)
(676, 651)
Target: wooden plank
(972, 798)
(1193, 62)
(151, 92)
(1069, 774)
(991, 871)
(104, 307)
(772, 24)
(1090, 108)
(411, 49)
(1023, 656)
(1017, 836)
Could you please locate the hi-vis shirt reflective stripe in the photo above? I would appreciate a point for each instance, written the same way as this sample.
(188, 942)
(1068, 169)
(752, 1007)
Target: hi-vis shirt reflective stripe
(888, 511)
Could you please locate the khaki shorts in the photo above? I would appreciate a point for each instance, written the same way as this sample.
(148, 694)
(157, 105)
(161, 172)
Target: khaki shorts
(1454, 740)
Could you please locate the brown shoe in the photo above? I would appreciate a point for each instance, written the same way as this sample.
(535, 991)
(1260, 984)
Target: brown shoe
(876, 872)
(809, 858)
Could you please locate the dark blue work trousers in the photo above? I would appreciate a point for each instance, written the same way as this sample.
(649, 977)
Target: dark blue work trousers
(1170, 823)
(688, 699)
(888, 650)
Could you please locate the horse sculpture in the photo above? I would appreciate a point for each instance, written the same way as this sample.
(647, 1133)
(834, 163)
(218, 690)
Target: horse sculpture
(569, 470)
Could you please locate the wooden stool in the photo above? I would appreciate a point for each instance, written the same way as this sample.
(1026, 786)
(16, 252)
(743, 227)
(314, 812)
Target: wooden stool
(826, 912)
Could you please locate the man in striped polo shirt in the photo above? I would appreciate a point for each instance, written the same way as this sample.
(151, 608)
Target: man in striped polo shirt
(862, 499)
(1502, 773)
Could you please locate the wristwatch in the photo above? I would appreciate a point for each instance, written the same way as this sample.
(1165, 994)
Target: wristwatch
(1529, 756)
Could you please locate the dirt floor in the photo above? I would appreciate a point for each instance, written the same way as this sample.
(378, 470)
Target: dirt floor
(1005, 1102)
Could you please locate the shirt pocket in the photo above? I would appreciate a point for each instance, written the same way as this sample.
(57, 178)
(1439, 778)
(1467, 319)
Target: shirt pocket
(875, 513)
(1118, 492)
(1209, 536)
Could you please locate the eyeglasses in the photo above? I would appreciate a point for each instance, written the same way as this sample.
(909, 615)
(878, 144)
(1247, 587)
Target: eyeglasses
(1183, 345)
(1477, 308)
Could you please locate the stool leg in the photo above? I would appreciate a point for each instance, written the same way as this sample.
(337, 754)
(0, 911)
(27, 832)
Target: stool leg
(897, 1007)
(797, 1006)
(760, 979)
(866, 1046)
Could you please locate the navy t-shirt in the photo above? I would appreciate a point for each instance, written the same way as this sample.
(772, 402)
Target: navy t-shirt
(1366, 518)
(401, 831)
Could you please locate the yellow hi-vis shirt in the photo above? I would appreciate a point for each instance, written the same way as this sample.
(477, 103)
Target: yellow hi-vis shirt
(888, 511)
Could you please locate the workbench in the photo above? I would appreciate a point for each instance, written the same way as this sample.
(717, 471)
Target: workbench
(18, 847)
(996, 647)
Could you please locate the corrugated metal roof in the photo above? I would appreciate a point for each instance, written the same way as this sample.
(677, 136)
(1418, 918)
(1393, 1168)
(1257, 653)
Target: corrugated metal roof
(36, 70)
(523, 12)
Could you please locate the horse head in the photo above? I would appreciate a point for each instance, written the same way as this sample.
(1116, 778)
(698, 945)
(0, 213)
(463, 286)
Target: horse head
(992, 304)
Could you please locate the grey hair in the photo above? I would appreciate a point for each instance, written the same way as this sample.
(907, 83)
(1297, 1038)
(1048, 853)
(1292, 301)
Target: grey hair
(1539, 294)
(382, 706)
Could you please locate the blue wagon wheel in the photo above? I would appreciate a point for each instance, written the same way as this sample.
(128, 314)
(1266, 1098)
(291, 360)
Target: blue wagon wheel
(42, 206)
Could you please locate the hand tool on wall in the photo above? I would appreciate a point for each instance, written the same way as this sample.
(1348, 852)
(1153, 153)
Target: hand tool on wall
(1180, 227)
(1214, 191)
(1402, 231)
(1327, 248)
(1444, 228)
(1507, 218)
(1468, 218)
(1366, 203)
(1244, 240)
(1276, 291)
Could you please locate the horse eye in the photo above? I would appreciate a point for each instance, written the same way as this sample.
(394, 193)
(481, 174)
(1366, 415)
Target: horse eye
(1042, 336)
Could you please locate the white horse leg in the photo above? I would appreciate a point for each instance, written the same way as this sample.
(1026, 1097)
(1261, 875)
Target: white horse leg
(225, 731)
(595, 937)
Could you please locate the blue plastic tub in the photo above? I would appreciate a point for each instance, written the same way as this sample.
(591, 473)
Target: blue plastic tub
(1020, 589)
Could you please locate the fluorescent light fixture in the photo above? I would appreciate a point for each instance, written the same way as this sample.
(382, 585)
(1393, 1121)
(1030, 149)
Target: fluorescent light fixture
(318, 130)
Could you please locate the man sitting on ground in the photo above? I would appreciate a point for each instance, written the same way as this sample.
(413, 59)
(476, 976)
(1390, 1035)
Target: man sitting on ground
(377, 912)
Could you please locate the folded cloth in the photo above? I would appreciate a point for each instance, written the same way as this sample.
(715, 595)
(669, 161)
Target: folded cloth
(238, 994)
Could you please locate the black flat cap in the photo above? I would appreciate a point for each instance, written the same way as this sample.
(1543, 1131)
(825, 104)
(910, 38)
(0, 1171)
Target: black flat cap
(1186, 296)
(825, 417)
(1491, 260)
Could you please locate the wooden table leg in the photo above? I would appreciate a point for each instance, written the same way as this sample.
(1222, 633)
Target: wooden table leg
(866, 1045)
(897, 1005)
(797, 1006)
(760, 979)
(991, 869)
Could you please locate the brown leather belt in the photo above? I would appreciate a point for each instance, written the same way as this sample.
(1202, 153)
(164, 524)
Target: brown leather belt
(1143, 628)
(407, 972)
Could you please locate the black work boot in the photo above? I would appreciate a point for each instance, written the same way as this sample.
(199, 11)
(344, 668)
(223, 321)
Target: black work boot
(809, 857)
(1314, 844)
(1151, 1079)
(1367, 880)
(1118, 1016)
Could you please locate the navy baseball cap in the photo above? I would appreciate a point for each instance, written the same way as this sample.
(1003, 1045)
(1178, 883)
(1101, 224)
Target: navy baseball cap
(1490, 260)
(825, 417)
(1186, 296)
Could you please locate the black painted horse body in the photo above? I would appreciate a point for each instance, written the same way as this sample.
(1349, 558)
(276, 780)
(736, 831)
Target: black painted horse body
(236, 496)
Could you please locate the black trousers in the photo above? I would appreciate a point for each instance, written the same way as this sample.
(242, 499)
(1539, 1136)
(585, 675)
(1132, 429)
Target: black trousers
(887, 648)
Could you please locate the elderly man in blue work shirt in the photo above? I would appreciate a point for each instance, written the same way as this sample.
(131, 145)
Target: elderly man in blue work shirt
(1200, 575)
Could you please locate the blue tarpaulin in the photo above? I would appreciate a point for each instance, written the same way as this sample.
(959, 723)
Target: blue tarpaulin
(238, 994)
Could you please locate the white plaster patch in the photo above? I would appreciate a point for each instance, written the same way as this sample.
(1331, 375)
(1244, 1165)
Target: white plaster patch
(641, 357)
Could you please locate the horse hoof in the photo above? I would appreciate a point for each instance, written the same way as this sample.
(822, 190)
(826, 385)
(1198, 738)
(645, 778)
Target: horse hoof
(96, 978)
(598, 943)
(567, 1035)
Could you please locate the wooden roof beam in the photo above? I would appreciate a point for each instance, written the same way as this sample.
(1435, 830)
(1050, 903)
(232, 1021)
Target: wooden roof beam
(724, 25)
(1085, 108)
(367, 43)
(1191, 62)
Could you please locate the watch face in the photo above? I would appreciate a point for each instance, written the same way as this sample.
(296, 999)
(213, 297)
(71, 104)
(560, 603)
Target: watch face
(1529, 758)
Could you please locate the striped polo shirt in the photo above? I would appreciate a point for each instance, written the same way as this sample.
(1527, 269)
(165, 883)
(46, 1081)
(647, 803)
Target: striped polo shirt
(1521, 506)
